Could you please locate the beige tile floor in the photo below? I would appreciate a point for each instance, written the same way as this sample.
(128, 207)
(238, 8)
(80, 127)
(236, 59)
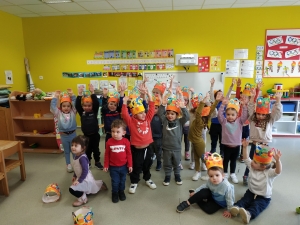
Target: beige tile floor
(24, 206)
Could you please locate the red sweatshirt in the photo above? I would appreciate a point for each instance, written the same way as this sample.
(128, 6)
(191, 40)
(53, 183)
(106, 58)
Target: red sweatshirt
(140, 131)
(117, 153)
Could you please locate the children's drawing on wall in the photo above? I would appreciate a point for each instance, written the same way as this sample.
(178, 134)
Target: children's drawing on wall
(112, 86)
(95, 84)
(111, 54)
(106, 54)
(118, 54)
(104, 84)
(106, 67)
(8, 77)
(140, 54)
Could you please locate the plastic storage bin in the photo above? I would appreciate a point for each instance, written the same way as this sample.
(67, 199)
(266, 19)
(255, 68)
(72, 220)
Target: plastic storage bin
(289, 106)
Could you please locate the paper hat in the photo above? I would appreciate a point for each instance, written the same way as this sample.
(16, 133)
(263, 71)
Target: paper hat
(263, 154)
(114, 97)
(205, 111)
(83, 216)
(262, 105)
(136, 106)
(172, 106)
(52, 193)
(65, 97)
(247, 89)
(156, 100)
(185, 91)
(212, 160)
(134, 93)
(160, 86)
(86, 97)
(196, 99)
(234, 103)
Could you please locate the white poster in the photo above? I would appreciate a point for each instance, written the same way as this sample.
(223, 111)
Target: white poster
(95, 84)
(247, 68)
(240, 53)
(8, 77)
(232, 68)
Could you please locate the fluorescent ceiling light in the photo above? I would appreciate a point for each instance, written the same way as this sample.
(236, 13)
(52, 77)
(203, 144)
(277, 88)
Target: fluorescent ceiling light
(56, 1)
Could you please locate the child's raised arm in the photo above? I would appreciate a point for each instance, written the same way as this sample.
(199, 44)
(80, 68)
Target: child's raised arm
(238, 88)
(230, 88)
(276, 112)
(212, 82)
(245, 143)
(277, 156)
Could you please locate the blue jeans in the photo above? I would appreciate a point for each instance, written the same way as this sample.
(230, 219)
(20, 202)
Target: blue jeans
(118, 177)
(253, 204)
(252, 150)
(66, 142)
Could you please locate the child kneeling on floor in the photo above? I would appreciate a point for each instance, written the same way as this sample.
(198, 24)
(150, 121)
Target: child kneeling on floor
(83, 182)
(216, 194)
(261, 176)
(117, 159)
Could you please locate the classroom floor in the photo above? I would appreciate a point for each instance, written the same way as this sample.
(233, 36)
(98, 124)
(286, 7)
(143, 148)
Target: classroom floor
(148, 207)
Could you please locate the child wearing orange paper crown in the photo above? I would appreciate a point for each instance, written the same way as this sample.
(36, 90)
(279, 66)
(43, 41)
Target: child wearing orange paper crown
(172, 133)
(83, 182)
(87, 106)
(260, 181)
(216, 194)
(261, 122)
(111, 110)
(232, 127)
(186, 126)
(141, 137)
(202, 116)
(63, 108)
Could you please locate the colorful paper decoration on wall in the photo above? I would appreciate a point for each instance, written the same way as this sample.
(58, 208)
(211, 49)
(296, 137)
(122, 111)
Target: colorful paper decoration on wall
(203, 64)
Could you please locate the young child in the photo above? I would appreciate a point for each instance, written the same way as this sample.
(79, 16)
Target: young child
(63, 108)
(83, 182)
(186, 126)
(202, 115)
(87, 106)
(172, 133)
(261, 122)
(232, 127)
(141, 137)
(117, 159)
(216, 194)
(260, 181)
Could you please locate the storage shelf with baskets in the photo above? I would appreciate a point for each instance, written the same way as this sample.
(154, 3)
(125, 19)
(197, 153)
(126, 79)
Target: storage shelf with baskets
(34, 124)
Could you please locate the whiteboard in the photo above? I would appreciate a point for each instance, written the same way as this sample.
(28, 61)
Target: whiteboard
(199, 81)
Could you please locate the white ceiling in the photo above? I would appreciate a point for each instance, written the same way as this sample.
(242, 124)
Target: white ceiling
(35, 8)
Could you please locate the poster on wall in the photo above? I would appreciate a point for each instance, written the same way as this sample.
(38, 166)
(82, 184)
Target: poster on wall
(215, 63)
(203, 64)
(282, 53)
(8, 77)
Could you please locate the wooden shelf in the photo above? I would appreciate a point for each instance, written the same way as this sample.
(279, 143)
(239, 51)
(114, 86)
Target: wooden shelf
(31, 118)
(31, 134)
(43, 150)
(30, 101)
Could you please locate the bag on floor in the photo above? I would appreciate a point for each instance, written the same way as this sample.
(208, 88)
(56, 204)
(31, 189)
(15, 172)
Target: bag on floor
(83, 216)
(52, 193)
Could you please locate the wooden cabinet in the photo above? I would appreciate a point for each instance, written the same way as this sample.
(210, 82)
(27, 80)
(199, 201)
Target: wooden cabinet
(24, 124)
(6, 124)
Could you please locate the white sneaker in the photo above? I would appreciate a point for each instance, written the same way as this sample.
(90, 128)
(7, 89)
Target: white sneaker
(196, 176)
(132, 188)
(150, 184)
(234, 178)
(192, 166)
(69, 168)
(203, 167)
(226, 176)
(204, 177)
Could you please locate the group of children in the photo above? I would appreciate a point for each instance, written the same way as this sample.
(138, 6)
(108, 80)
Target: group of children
(147, 123)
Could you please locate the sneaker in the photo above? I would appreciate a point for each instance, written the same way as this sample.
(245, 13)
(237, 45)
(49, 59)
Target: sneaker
(245, 215)
(154, 157)
(226, 176)
(203, 167)
(234, 210)
(196, 176)
(182, 206)
(98, 165)
(187, 156)
(192, 166)
(114, 197)
(158, 166)
(80, 201)
(69, 168)
(204, 177)
(178, 179)
(132, 188)
(122, 196)
(234, 178)
(245, 180)
(150, 184)
(167, 180)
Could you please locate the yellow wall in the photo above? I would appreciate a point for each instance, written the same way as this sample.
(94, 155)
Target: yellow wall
(12, 50)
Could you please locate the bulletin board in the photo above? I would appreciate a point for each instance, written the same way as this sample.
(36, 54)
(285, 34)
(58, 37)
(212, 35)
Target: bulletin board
(282, 53)
(199, 81)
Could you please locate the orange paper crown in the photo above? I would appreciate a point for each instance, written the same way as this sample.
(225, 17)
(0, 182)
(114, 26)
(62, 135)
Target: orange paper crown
(65, 97)
(196, 99)
(212, 160)
(247, 89)
(262, 105)
(234, 103)
(160, 86)
(136, 106)
(86, 97)
(263, 154)
(172, 106)
(205, 111)
(114, 97)
(52, 193)
(134, 93)
(185, 91)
